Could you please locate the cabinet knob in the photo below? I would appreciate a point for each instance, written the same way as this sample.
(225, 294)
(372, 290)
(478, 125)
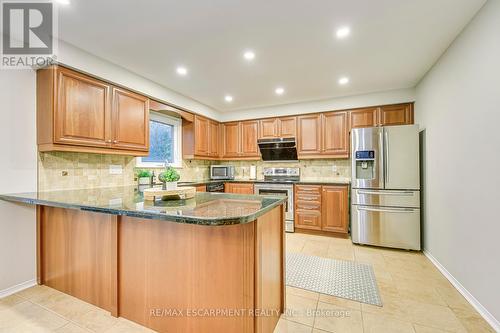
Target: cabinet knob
(108, 141)
(115, 141)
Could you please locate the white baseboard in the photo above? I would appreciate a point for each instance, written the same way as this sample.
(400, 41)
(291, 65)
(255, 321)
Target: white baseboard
(495, 324)
(17, 288)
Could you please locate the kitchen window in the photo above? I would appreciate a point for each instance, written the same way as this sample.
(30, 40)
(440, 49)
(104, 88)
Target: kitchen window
(164, 142)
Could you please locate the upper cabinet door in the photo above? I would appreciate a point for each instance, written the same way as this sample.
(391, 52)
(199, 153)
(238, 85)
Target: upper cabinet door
(335, 134)
(82, 111)
(214, 138)
(231, 139)
(249, 135)
(309, 135)
(364, 118)
(400, 114)
(269, 128)
(201, 135)
(288, 127)
(130, 120)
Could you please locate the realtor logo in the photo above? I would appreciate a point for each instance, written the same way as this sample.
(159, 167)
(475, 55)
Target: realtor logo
(28, 34)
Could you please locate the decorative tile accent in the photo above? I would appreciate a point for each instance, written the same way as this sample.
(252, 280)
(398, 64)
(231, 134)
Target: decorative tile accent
(341, 278)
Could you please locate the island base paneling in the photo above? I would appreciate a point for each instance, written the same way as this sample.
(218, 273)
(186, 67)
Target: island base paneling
(179, 268)
(170, 277)
(78, 254)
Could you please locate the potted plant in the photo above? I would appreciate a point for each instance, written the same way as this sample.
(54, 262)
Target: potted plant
(169, 178)
(144, 177)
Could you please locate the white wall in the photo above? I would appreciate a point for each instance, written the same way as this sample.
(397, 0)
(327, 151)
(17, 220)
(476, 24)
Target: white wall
(340, 103)
(18, 170)
(79, 59)
(458, 105)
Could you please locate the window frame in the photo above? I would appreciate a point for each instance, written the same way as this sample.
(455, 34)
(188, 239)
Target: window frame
(177, 135)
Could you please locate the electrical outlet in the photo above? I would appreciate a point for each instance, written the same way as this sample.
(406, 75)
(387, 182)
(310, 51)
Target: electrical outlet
(115, 169)
(334, 168)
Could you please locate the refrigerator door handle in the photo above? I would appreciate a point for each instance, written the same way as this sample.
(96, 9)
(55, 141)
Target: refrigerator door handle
(386, 156)
(403, 193)
(387, 210)
(381, 161)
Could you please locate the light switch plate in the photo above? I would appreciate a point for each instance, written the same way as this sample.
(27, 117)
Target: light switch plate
(115, 169)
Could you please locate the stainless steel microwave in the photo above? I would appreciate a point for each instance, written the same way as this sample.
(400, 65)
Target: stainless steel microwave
(221, 172)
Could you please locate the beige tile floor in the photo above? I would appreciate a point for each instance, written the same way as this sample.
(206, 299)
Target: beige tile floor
(416, 297)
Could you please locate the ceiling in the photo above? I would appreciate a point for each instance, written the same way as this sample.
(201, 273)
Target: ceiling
(392, 44)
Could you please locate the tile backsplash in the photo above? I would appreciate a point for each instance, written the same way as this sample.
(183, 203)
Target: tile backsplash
(63, 170)
(309, 169)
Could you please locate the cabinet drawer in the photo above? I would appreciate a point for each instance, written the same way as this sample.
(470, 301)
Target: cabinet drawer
(308, 219)
(307, 190)
(308, 197)
(308, 205)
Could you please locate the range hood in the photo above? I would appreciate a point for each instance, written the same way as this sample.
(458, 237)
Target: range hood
(278, 150)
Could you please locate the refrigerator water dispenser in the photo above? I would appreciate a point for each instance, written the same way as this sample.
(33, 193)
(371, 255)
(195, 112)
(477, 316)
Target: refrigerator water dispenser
(365, 164)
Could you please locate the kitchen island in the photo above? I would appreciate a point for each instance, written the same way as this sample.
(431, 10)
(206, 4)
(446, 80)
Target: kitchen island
(214, 263)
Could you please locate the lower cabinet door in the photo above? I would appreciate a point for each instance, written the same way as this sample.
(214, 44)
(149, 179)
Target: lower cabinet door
(308, 219)
(237, 188)
(334, 209)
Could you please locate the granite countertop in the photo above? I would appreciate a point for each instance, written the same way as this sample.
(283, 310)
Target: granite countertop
(305, 181)
(210, 209)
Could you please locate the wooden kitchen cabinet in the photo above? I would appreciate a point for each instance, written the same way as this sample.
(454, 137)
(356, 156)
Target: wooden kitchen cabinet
(201, 188)
(334, 213)
(78, 113)
(240, 140)
(335, 135)
(231, 139)
(269, 128)
(324, 135)
(284, 127)
(200, 138)
(307, 219)
(307, 207)
(214, 138)
(309, 136)
(249, 135)
(77, 123)
(322, 208)
(130, 120)
(364, 117)
(399, 114)
(239, 188)
(288, 127)
(387, 115)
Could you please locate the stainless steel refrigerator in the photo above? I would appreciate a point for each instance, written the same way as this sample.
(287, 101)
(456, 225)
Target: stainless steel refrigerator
(385, 188)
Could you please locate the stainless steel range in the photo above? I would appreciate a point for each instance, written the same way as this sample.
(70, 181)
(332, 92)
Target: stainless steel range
(279, 181)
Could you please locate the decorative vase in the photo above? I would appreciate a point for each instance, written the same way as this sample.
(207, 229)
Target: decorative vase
(144, 180)
(170, 186)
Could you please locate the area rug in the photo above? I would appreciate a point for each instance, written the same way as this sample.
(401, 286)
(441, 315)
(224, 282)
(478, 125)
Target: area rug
(340, 278)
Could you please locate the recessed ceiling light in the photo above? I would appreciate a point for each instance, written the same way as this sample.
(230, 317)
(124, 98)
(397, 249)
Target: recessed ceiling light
(63, 2)
(279, 91)
(182, 70)
(343, 32)
(228, 98)
(343, 80)
(249, 55)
